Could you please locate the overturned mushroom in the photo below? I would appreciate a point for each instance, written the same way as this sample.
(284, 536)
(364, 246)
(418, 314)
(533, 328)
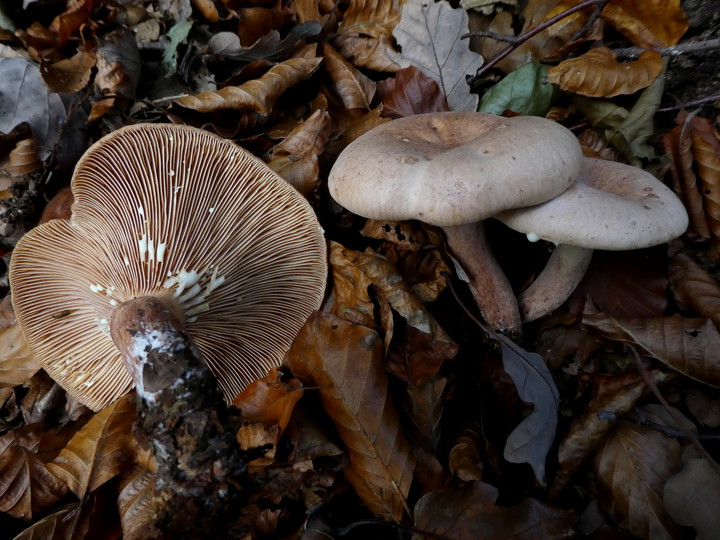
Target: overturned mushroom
(233, 252)
(456, 170)
(610, 206)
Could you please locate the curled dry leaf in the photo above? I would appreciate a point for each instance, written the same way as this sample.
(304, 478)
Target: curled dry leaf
(678, 145)
(459, 513)
(429, 35)
(296, 157)
(615, 394)
(23, 159)
(652, 23)
(597, 73)
(258, 95)
(706, 153)
(101, 450)
(631, 470)
(694, 288)
(424, 404)
(410, 92)
(77, 14)
(465, 458)
(69, 75)
(365, 33)
(60, 525)
(26, 486)
(686, 345)
(345, 362)
(355, 89)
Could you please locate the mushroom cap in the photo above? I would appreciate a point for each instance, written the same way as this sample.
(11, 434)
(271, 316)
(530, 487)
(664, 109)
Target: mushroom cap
(452, 168)
(610, 206)
(179, 213)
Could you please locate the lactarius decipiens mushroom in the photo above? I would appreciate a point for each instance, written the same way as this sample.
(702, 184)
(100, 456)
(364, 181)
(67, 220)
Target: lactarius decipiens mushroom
(455, 170)
(610, 206)
(192, 225)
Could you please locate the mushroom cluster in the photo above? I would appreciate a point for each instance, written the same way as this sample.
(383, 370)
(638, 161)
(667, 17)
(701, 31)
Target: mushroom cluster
(457, 169)
(185, 217)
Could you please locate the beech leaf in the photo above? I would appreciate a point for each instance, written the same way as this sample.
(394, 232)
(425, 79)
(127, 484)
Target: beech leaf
(344, 361)
(60, 525)
(103, 448)
(429, 34)
(531, 440)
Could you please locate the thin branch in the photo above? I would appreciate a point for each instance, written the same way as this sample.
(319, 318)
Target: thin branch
(522, 38)
(674, 50)
(691, 104)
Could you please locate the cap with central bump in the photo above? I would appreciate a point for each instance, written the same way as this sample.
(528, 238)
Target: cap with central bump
(183, 215)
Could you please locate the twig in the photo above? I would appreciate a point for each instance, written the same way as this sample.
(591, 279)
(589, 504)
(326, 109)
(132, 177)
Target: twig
(656, 391)
(522, 38)
(691, 104)
(674, 50)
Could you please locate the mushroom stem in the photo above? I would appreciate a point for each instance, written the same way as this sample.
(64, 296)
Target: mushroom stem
(490, 287)
(562, 273)
(183, 419)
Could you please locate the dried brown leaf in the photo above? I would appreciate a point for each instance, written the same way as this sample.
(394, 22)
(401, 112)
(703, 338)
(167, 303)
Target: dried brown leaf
(365, 33)
(678, 146)
(296, 157)
(470, 511)
(77, 14)
(694, 288)
(258, 95)
(17, 363)
(270, 400)
(651, 23)
(136, 504)
(465, 458)
(614, 394)
(355, 89)
(101, 450)
(689, 346)
(345, 362)
(424, 404)
(26, 486)
(631, 470)
(706, 153)
(60, 525)
(69, 75)
(59, 207)
(597, 73)
(207, 9)
(256, 22)
(410, 92)
(23, 159)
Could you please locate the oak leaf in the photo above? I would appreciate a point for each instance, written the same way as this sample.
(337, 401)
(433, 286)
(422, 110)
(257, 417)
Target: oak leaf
(344, 361)
(597, 73)
(429, 35)
(258, 95)
(101, 450)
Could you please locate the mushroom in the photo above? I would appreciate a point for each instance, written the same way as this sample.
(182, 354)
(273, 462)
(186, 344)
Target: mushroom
(454, 170)
(610, 206)
(178, 214)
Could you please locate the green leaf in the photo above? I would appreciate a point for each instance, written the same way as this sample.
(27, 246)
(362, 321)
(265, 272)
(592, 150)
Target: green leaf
(522, 91)
(177, 34)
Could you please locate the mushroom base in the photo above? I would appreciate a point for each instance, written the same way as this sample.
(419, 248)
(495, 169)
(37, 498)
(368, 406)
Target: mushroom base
(184, 421)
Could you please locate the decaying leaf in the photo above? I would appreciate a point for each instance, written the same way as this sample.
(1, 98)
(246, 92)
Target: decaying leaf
(258, 95)
(424, 404)
(344, 361)
(531, 440)
(296, 158)
(365, 33)
(26, 98)
(69, 75)
(694, 288)
(26, 486)
(614, 395)
(597, 73)
(60, 525)
(706, 153)
(465, 460)
(136, 504)
(410, 92)
(269, 400)
(17, 363)
(631, 469)
(689, 346)
(459, 513)
(23, 159)
(429, 35)
(102, 449)
(654, 23)
(691, 498)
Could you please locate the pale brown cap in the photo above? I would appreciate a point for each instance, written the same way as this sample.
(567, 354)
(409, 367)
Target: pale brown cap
(179, 213)
(610, 206)
(451, 168)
